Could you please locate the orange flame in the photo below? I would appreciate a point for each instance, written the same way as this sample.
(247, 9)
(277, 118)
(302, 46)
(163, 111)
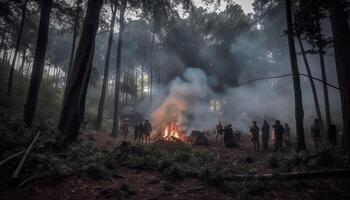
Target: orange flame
(172, 131)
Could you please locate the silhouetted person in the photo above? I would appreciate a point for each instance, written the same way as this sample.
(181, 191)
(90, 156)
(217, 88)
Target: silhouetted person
(147, 131)
(229, 140)
(254, 130)
(332, 134)
(316, 133)
(124, 128)
(138, 133)
(278, 128)
(219, 131)
(265, 135)
(286, 134)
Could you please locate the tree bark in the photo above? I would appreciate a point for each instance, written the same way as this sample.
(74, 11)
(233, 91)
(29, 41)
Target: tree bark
(299, 112)
(325, 89)
(4, 55)
(39, 61)
(75, 33)
(324, 75)
(341, 32)
(142, 81)
(313, 87)
(151, 66)
(3, 36)
(18, 42)
(118, 69)
(73, 106)
(22, 64)
(106, 71)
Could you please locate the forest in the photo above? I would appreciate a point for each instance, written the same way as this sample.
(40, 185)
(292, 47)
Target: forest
(174, 99)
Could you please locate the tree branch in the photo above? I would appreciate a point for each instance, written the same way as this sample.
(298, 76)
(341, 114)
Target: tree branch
(287, 75)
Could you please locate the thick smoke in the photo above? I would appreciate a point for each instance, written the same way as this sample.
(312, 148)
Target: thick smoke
(185, 102)
(187, 98)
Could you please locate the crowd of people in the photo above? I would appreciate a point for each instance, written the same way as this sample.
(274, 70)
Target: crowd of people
(279, 134)
(142, 131)
(226, 135)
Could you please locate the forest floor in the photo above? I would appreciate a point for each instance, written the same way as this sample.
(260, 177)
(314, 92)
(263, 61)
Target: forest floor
(130, 182)
(103, 167)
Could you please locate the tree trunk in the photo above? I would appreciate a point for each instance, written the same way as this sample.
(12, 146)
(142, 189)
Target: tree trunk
(39, 61)
(28, 68)
(151, 66)
(9, 57)
(106, 71)
(22, 64)
(3, 36)
(325, 89)
(17, 63)
(299, 112)
(324, 75)
(341, 32)
(313, 87)
(142, 81)
(73, 106)
(118, 69)
(75, 33)
(4, 55)
(18, 42)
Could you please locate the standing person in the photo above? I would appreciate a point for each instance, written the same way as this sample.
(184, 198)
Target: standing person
(265, 136)
(136, 132)
(316, 133)
(286, 134)
(254, 130)
(278, 129)
(332, 134)
(124, 129)
(219, 130)
(142, 131)
(228, 139)
(148, 131)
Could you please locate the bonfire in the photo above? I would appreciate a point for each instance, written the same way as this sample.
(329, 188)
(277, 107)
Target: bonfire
(173, 132)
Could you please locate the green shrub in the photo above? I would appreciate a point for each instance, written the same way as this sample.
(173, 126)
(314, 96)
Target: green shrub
(169, 186)
(173, 172)
(273, 162)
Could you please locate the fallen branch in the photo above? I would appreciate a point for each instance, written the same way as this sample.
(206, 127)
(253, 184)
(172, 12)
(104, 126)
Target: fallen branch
(294, 175)
(30, 178)
(194, 189)
(13, 156)
(153, 181)
(20, 165)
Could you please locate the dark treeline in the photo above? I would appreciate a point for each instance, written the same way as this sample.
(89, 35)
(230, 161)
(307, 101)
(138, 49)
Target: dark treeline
(107, 56)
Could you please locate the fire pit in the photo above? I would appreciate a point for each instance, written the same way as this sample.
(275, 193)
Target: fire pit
(174, 133)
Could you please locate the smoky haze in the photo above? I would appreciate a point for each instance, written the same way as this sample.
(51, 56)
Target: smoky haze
(190, 94)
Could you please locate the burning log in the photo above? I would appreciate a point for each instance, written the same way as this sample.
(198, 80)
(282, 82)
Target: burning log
(173, 132)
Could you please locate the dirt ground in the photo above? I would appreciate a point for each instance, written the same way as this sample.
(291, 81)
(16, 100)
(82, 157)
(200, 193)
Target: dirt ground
(150, 185)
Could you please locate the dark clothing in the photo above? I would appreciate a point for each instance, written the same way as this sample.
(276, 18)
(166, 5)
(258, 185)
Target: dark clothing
(147, 128)
(124, 129)
(229, 140)
(219, 131)
(332, 134)
(316, 134)
(315, 131)
(286, 134)
(265, 136)
(278, 136)
(136, 132)
(255, 136)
